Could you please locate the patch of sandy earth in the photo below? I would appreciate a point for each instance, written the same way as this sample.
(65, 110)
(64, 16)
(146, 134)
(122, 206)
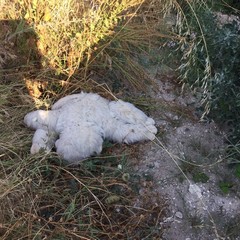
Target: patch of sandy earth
(198, 209)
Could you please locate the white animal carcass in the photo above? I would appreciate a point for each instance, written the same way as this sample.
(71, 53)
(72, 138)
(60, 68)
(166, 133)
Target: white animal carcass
(78, 124)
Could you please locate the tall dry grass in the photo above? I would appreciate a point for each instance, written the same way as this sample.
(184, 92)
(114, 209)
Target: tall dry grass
(69, 31)
(73, 37)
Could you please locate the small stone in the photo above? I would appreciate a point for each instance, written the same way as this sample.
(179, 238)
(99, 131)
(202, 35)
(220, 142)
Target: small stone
(175, 118)
(120, 166)
(194, 189)
(179, 215)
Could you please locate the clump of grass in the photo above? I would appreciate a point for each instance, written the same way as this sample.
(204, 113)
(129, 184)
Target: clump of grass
(100, 38)
(53, 201)
(42, 199)
(225, 186)
(68, 31)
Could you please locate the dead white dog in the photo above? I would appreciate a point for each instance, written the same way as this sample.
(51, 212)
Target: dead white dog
(78, 124)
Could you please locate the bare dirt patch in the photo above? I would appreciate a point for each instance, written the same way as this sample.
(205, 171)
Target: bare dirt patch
(187, 164)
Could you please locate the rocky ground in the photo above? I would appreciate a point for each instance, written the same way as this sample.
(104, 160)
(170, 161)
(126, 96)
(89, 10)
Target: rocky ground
(187, 165)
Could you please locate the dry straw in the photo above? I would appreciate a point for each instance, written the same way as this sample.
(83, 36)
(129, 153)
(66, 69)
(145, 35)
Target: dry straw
(39, 197)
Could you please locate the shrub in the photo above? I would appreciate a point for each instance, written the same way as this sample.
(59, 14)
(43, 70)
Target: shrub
(210, 63)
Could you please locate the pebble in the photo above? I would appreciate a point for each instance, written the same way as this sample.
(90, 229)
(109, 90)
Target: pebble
(179, 215)
(194, 189)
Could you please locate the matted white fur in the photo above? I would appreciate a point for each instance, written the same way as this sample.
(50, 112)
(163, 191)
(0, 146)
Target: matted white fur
(77, 125)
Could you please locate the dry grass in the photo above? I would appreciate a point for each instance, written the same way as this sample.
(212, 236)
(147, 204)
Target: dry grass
(41, 198)
(69, 31)
(78, 38)
(55, 202)
(50, 49)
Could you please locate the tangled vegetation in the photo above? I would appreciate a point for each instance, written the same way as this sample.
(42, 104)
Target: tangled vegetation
(211, 58)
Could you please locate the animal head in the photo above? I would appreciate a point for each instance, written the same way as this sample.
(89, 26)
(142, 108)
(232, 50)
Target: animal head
(37, 119)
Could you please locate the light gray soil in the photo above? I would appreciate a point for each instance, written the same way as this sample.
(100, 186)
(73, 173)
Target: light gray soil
(198, 207)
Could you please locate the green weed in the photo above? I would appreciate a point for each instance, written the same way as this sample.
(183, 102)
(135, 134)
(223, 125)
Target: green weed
(225, 186)
(200, 177)
(237, 172)
(209, 63)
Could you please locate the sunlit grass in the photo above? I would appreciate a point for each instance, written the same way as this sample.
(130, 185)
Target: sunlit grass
(68, 31)
(73, 38)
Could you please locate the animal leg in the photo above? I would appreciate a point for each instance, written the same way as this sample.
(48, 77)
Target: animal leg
(43, 140)
(78, 143)
(130, 133)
